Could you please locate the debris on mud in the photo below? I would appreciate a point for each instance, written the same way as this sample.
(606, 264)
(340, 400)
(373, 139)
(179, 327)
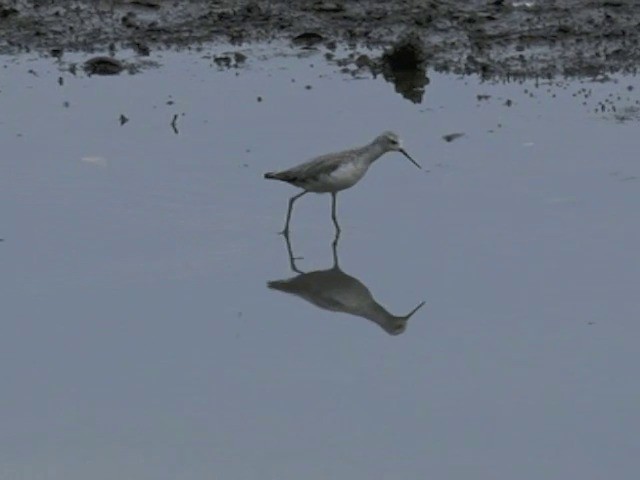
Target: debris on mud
(495, 39)
(141, 48)
(363, 61)
(174, 124)
(450, 137)
(230, 60)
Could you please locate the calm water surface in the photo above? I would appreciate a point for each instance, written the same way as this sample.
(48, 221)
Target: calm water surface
(139, 335)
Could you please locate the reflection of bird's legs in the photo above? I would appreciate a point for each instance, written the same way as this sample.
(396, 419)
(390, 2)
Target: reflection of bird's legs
(334, 248)
(334, 196)
(291, 201)
(292, 259)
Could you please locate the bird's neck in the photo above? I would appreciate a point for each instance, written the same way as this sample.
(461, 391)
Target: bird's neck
(372, 152)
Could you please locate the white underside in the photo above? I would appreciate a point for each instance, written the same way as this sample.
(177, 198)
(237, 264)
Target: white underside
(341, 178)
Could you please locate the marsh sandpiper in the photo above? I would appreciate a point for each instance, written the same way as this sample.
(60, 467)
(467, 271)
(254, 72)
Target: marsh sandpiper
(338, 171)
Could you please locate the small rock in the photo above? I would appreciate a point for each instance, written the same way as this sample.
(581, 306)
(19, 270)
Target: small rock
(142, 49)
(230, 60)
(328, 7)
(129, 20)
(363, 61)
(103, 66)
(6, 12)
(151, 4)
(307, 39)
(223, 61)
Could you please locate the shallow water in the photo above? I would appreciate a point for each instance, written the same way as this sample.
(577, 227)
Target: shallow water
(139, 337)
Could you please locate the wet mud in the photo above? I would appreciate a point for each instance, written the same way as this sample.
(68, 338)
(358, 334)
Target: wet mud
(491, 38)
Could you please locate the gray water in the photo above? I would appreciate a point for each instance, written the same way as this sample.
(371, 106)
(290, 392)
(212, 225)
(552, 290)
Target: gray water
(139, 338)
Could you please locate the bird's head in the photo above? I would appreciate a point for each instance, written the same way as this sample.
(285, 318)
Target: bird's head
(390, 142)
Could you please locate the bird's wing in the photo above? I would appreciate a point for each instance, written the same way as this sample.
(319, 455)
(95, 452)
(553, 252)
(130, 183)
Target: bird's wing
(322, 165)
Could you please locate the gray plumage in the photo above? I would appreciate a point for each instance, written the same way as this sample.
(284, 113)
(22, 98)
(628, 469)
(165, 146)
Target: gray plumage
(334, 290)
(338, 171)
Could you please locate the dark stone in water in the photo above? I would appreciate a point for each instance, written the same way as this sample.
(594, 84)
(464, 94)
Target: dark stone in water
(307, 39)
(103, 66)
(407, 54)
(405, 65)
(452, 136)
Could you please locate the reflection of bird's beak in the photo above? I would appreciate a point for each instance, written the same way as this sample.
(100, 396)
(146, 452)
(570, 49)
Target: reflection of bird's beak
(408, 315)
(402, 151)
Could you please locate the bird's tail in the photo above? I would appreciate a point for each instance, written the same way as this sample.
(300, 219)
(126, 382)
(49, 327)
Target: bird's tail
(282, 176)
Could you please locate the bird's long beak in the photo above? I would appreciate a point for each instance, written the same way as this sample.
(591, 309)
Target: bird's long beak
(402, 150)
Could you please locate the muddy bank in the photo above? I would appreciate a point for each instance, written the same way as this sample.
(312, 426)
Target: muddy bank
(496, 38)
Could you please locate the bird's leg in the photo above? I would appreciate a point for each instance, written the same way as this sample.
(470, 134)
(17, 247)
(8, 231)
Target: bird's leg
(291, 201)
(292, 259)
(334, 196)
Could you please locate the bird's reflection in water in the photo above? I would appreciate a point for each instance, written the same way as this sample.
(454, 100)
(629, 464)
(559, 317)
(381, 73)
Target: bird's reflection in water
(336, 291)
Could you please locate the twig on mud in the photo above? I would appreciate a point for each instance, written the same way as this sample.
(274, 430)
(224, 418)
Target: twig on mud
(174, 124)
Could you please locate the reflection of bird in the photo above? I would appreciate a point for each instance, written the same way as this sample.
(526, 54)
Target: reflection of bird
(336, 291)
(337, 171)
